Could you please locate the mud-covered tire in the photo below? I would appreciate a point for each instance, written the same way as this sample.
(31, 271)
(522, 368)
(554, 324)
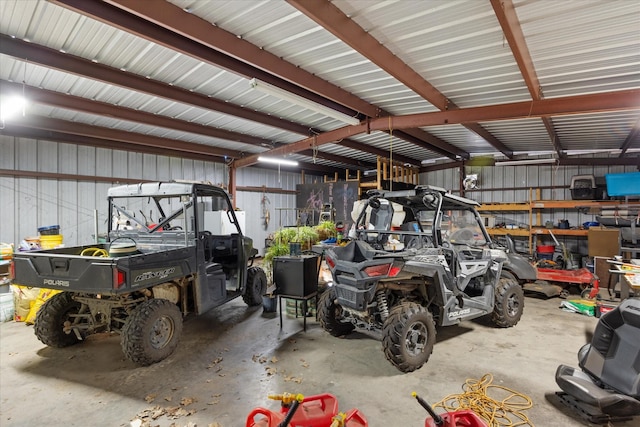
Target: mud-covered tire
(49, 323)
(151, 332)
(408, 336)
(509, 303)
(330, 313)
(256, 286)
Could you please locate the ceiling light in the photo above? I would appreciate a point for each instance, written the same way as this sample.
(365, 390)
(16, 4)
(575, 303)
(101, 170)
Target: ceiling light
(12, 106)
(277, 161)
(302, 102)
(527, 162)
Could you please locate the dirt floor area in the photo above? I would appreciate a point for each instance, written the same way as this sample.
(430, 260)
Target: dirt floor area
(230, 360)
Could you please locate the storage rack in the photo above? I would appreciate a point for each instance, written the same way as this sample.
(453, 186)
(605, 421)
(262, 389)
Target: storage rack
(534, 207)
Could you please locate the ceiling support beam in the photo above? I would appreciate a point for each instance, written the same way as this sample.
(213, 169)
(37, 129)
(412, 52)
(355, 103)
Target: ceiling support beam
(98, 142)
(340, 25)
(46, 135)
(508, 19)
(88, 69)
(580, 104)
(82, 129)
(76, 103)
(197, 38)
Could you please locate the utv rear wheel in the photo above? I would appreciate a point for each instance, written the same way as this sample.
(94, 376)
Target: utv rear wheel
(152, 331)
(509, 303)
(330, 314)
(408, 336)
(256, 286)
(56, 314)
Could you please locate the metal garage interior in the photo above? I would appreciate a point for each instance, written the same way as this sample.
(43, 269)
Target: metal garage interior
(521, 93)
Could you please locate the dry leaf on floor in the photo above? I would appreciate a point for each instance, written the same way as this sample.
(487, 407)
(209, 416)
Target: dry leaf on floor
(150, 398)
(274, 359)
(296, 380)
(215, 425)
(168, 398)
(271, 370)
(186, 401)
(214, 363)
(305, 364)
(175, 413)
(259, 358)
(216, 395)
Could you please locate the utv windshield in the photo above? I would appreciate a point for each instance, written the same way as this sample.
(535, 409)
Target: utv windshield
(462, 227)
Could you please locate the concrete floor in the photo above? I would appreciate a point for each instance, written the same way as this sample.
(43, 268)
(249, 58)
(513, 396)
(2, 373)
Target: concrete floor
(232, 357)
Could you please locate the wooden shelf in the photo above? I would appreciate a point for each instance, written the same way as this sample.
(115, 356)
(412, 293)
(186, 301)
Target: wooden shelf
(535, 206)
(502, 207)
(577, 204)
(559, 232)
(505, 231)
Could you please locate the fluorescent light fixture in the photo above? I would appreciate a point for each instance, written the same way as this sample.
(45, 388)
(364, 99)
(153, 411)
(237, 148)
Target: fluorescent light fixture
(277, 161)
(527, 162)
(302, 102)
(12, 106)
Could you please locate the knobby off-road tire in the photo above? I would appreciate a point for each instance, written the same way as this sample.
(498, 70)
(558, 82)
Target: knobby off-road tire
(330, 313)
(408, 336)
(151, 332)
(509, 303)
(256, 286)
(49, 323)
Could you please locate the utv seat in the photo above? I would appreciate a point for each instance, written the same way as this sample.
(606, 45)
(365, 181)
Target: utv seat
(608, 386)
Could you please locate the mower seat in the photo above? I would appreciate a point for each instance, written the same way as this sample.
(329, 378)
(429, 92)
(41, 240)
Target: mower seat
(608, 386)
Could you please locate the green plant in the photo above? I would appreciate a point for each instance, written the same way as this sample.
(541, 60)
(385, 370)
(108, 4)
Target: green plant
(305, 234)
(275, 250)
(284, 235)
(326, 229)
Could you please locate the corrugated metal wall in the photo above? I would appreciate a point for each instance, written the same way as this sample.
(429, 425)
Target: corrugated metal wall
(27, 203)
(512, 184)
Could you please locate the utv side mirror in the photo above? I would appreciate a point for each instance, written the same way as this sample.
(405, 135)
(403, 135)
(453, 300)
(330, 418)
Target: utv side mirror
(374, 202)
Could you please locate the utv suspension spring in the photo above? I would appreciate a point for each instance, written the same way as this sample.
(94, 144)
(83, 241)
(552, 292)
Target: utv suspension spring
(383, 306)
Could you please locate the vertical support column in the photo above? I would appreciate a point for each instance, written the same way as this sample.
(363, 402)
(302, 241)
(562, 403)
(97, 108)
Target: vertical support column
(232, 184)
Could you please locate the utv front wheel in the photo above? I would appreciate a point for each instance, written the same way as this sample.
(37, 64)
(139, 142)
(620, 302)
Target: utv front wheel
(152, 331)
(408, 336)
(256, 286)
(330, 315)
(509, 303)
(53, 321)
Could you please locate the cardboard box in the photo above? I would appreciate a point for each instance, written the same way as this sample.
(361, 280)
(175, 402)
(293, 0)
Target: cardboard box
(604, 242)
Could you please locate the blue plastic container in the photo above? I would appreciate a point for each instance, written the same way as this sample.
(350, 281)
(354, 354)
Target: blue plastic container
(623, 184)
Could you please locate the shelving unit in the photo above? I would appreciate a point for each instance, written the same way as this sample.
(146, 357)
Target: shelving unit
(535, 207)
(387, 171)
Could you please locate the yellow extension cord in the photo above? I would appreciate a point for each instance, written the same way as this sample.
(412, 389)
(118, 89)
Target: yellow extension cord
(94, 252)
(506, 412)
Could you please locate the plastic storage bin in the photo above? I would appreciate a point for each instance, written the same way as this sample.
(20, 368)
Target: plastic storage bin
(623, 184)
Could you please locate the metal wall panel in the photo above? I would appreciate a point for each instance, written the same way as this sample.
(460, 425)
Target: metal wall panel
(518, 184)
(29, 203)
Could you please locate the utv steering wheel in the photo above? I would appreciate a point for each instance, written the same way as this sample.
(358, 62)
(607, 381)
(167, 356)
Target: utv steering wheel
(462, 236)
(419, 242)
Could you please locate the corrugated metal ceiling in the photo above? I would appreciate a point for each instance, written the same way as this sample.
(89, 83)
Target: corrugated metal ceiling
(458, 47)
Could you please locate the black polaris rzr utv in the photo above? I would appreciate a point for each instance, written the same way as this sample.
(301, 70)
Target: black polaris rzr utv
(419, 257)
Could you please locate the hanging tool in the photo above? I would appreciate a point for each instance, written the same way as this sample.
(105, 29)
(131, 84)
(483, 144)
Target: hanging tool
(266, 215)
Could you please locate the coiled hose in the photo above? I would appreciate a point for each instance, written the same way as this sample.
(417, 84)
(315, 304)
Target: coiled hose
(94, 252)
(507, 412)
